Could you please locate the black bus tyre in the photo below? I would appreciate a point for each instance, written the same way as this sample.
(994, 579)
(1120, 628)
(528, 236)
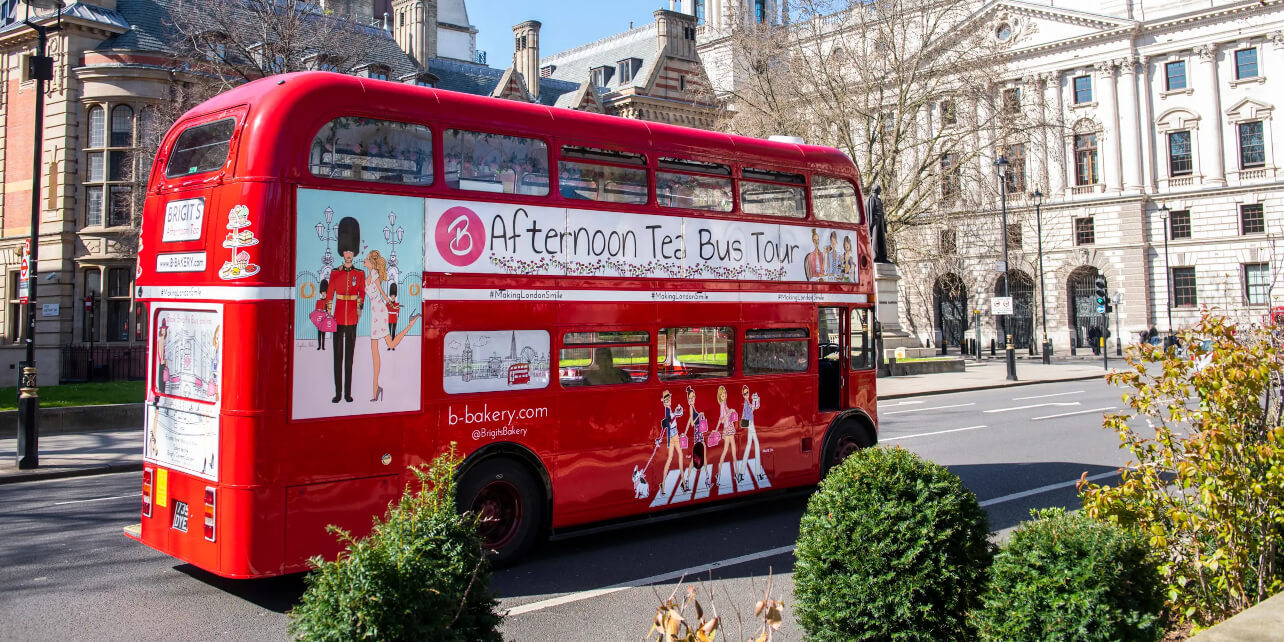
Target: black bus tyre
(846, 439)
(506, 500)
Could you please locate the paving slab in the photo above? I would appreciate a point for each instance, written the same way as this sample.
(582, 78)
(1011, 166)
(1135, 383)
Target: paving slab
(75, 454)
(991, 374)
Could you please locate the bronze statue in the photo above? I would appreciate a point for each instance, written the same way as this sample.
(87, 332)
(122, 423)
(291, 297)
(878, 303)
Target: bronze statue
(877, 225)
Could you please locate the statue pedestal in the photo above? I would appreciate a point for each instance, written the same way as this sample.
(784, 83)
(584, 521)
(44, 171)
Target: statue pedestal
(886, 282)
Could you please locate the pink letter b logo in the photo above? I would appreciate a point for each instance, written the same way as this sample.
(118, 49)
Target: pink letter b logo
(460, 237)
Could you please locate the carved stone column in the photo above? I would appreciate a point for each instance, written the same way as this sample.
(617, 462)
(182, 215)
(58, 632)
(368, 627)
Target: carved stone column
(1055, 160)
(1108, 111)
(1129, 130)
(1212, 156)
(1147, 126)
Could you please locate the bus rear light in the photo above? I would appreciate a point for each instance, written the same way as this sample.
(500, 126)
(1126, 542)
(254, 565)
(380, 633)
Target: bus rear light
(209, 513)
(147, 492)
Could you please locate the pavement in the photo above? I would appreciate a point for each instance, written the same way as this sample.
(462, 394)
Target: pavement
(109, 451)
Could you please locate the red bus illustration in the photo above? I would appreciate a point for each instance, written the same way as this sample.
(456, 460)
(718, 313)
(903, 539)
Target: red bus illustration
(609, 317)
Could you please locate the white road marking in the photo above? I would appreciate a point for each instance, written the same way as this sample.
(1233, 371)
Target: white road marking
(927, 434)
(1044, 489)
(1035, 405)
(780, 550)
(1077, 412)
(1055, 394)
(957, 405)
(654, 579)
(97, 499)
(902, 403)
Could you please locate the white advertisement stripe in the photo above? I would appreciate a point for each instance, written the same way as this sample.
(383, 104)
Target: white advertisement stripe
(632, 296)
(213, 292)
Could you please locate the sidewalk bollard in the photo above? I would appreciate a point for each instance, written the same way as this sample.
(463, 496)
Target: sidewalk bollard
(992, 352)
(891, 366)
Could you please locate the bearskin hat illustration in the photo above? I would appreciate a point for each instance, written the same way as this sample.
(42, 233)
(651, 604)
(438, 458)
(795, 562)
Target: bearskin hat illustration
(349, 236)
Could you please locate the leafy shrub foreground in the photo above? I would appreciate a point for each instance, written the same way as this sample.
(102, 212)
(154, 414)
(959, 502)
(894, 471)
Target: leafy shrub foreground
(1207, 481)
(892, 547)
(1070, 577)
(420, 575)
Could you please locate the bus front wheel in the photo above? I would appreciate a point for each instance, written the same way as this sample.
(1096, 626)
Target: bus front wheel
(503, 496)
(846, 439)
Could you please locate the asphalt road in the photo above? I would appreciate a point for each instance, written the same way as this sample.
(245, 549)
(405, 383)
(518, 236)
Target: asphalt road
(67, 572)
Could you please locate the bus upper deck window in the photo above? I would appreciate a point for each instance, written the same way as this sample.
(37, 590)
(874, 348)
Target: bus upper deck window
(784, 197)
(693, 191)
(366, 149)
(202, 148)
(593, 181)
(485, 162)
(834, 199)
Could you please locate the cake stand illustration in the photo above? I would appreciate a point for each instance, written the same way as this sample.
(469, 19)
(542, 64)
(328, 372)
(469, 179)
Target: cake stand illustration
(239, 237)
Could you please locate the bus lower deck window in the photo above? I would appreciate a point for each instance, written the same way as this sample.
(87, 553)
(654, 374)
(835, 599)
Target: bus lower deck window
(694, 353)
(202, 148)
(367, 149)
(600, 358)
(498, 163)
(775, 350)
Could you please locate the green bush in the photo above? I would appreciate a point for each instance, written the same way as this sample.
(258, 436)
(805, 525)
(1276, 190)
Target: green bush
(1070, 577)
(892, 547)
(420, 575)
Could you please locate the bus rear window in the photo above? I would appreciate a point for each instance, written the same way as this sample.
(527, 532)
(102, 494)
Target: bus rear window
(366, 149)
(202, 148)
(834, 199)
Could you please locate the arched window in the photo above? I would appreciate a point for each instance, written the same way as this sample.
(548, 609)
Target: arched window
(122, 126)
(97, 124)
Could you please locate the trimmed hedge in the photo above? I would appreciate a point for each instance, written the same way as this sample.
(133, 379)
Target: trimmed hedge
(892, 547)
(1070, 577)
(420, 575)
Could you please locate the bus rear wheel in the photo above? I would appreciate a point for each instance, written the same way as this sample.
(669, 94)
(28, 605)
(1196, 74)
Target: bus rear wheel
(503, 495)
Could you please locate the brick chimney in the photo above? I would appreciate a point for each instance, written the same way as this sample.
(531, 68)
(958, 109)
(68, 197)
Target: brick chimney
(526, 55)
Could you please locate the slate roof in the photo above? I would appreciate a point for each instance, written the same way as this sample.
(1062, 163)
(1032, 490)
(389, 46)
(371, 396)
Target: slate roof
(574, 65)
(150, 20)
(469, 78)
(11, 19)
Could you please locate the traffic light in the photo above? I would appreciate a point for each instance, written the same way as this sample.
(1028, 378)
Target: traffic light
(1102, 296)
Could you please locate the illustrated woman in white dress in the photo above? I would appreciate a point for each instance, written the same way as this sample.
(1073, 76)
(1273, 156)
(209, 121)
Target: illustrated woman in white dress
(378, 273)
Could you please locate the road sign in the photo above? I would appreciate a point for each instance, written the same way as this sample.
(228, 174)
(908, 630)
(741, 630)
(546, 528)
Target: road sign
(24, 273)
(1001, 305)
(1101, 309)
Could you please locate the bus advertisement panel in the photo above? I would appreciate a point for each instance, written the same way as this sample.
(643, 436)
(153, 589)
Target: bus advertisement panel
(501, 238)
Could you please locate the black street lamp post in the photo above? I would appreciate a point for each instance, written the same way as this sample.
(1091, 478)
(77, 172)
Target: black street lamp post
(1164, 210)
(40, 68)
(1001, 166)
(1043, 295)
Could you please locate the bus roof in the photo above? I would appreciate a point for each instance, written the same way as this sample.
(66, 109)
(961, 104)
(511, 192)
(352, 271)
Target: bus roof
(286, 111)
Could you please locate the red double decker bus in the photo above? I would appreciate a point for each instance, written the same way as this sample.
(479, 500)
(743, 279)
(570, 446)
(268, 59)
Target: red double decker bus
(609, 317)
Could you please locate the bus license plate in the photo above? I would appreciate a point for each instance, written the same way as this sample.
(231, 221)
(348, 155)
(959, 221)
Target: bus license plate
(180, 516)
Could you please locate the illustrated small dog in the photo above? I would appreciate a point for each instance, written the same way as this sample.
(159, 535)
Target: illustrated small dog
(641, 490)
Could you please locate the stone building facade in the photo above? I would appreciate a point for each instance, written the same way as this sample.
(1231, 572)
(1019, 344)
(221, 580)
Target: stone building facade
(1153, 104)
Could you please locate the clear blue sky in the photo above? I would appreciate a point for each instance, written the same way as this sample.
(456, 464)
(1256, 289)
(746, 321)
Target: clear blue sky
(565, 24)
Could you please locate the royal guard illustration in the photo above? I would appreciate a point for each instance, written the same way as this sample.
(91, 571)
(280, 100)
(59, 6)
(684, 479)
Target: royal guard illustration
(348, 293)
(394, 308)
(322, 306)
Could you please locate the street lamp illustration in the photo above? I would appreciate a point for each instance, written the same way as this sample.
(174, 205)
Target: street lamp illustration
(1043, 295)
(1001, 166)
(394, 235)
(327, 231)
